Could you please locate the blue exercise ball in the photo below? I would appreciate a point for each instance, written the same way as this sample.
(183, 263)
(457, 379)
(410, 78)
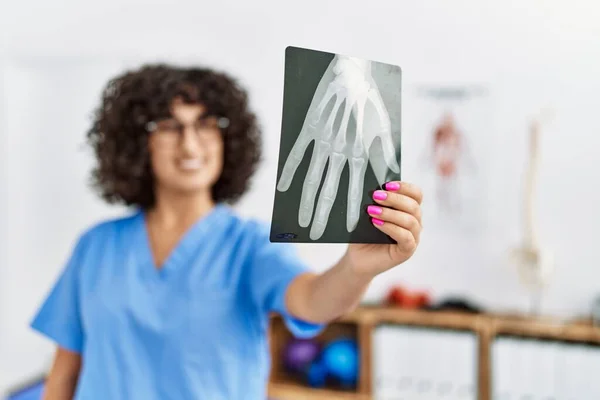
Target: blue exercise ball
(340, 358)
(317, 375)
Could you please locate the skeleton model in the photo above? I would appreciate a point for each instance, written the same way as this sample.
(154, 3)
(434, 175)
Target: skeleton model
(533, 263)
(347, 81)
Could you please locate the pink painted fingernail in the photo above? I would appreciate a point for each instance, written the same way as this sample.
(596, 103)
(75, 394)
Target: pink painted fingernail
(392, 186)
(377, 221)
(380, 195)
(374, 210)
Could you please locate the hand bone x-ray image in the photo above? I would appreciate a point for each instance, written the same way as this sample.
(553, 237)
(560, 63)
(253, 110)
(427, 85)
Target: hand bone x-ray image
(340, 141)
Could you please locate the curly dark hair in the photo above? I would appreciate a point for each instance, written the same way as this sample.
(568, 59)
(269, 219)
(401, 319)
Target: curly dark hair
(119, 137)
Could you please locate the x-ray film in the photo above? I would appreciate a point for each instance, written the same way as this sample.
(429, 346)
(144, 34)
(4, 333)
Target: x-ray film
(340, 141)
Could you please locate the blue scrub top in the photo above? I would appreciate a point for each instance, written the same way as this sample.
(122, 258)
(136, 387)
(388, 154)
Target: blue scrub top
(195, 329)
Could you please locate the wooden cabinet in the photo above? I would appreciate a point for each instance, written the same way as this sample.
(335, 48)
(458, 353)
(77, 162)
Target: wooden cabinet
(362, 323)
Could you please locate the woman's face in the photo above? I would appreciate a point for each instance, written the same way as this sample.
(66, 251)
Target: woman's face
(186, 150)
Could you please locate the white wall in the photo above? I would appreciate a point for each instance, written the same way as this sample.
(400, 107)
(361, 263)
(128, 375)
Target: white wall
(529, 53)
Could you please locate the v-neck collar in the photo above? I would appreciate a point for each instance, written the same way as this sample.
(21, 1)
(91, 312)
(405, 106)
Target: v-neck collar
(182, 250)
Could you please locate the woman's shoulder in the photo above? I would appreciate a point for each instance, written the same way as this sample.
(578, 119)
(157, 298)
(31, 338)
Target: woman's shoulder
(242, 226)
(248, 224)
(107, 228)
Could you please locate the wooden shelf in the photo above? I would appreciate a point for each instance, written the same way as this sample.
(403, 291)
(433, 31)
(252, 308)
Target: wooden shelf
(290, 391)
(433, 319)
(487, 327)
(547, 329)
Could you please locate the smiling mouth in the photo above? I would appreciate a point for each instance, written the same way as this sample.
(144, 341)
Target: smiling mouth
(190, 164)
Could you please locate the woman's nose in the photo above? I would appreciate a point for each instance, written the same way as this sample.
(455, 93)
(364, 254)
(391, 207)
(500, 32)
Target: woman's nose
(189, 139)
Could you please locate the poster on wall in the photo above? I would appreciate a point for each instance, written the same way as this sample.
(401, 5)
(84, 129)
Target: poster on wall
(340, 141)
(448, 134)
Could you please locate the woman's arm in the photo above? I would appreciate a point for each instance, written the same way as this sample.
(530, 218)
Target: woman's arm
(323, 297)
(320, 298)
(62, 380)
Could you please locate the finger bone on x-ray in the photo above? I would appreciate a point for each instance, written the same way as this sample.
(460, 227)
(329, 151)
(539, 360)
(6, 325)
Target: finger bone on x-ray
(348, 82)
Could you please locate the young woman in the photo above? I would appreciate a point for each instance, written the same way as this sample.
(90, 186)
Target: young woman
(172, 301)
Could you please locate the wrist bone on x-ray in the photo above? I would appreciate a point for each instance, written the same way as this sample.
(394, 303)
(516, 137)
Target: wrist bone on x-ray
(347, 81)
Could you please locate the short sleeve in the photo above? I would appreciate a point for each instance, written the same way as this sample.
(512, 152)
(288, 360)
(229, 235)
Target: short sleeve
(59, 316)
(274, 267)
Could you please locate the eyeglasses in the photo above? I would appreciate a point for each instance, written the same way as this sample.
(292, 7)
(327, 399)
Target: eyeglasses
(171, 130)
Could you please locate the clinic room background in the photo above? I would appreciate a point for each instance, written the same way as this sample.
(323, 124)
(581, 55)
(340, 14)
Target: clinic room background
(488, 72)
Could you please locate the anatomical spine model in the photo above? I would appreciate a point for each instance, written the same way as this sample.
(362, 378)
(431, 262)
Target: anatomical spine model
(534, 263)
(348, 82)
